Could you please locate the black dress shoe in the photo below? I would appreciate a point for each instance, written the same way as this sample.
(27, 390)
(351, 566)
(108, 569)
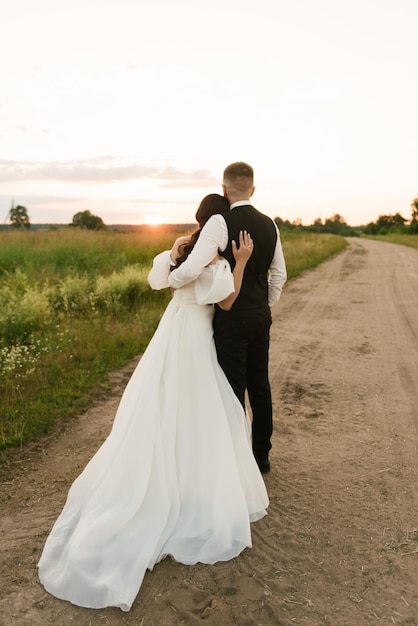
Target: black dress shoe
(263, 465)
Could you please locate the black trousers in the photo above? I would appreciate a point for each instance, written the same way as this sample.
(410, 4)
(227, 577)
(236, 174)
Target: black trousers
(242, 340)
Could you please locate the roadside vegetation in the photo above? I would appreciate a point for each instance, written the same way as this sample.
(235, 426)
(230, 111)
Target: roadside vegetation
(399, 238)
(385, 227)
(75, 304)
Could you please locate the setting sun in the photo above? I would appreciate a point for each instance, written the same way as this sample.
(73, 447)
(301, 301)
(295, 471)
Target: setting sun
(152, 220)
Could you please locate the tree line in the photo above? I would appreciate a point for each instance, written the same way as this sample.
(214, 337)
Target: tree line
(336, 225)
(19, 219)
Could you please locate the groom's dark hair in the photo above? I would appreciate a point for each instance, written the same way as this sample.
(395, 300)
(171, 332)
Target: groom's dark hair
(239, 176)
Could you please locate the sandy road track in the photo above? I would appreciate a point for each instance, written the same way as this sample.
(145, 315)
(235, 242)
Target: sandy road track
(340, 543)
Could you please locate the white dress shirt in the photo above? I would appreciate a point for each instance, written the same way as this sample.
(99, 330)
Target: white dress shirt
(214, 239)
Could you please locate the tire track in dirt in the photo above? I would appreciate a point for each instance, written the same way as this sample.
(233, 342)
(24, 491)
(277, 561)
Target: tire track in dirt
(347, 425)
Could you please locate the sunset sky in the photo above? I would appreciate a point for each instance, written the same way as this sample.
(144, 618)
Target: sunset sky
(132, 108)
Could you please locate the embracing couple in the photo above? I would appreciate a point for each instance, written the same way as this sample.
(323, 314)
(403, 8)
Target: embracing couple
(242, 333)
(180, 472)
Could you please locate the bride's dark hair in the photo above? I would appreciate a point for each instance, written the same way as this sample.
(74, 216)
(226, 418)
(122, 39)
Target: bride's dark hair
(210, 205)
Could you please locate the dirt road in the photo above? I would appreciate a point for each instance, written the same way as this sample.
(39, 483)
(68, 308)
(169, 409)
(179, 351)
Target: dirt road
(340, 544)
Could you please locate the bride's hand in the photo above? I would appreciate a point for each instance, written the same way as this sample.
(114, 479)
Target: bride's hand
(246, 247)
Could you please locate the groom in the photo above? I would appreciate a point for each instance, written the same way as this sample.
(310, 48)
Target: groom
(242, 335)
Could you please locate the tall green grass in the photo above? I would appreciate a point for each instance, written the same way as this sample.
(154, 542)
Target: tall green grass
(303, 251)
(74, 305)
(52, 255)
(403, 240)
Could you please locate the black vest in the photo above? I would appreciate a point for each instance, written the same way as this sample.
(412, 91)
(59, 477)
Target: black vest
(254, 290)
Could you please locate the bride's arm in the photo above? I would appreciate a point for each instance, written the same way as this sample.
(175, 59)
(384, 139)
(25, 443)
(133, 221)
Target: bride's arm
(160, 270)
(241, 255)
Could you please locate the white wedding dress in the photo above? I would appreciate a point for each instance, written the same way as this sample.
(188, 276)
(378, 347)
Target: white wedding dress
(176, 476)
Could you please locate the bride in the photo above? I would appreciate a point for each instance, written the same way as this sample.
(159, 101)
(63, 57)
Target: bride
(176, 476)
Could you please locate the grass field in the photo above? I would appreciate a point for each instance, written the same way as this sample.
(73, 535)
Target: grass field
(75, 305)
(403, 240)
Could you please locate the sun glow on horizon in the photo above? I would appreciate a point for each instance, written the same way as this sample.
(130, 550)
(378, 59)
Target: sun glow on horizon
(152, 220)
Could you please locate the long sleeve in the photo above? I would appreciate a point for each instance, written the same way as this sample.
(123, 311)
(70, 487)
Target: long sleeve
(158, 276)
(277, 273)
(214, 237)
(215, 283)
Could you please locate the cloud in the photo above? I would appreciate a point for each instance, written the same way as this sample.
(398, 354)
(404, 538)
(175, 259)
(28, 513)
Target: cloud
(103, 169)
(97, 170)
(196, 178)
(39, 199)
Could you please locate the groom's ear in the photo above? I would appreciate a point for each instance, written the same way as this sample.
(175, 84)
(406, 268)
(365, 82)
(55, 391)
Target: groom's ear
(224, 190)
(252, 191)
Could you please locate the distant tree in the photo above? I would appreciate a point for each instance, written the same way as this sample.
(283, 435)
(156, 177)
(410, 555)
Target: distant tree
(18, 216)
(390, 222)
(386, 224)
(334, 224)
(413, 225)
(85, 219)
(283, 224)
(370, 229)
(317, 225)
